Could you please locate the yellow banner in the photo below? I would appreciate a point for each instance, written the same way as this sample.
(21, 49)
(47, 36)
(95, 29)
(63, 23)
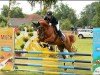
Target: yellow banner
(6, 48)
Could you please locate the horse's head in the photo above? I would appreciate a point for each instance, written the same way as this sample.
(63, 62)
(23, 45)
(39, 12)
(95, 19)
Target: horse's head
(35, 25)
(43, 23)
(39, 28)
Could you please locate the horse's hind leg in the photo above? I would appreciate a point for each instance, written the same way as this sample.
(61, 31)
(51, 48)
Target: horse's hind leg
(68, 45)
(61, 48)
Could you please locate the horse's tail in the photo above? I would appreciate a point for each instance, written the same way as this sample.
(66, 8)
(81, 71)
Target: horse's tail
(72, 38)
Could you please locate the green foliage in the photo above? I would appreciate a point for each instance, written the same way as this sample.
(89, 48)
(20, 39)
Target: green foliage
(45, 3)
(5, 10)
(96, 18)
(91, 15)
(96, 21)
(50, 2)
(64, 12)
(66, 15)
(3, 21)
(16, 12)
(65, 24)
(2, 24)
(38, 12)
(42, 12)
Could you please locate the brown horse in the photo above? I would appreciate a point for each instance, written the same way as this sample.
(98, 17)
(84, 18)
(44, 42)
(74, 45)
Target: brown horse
(47, 34)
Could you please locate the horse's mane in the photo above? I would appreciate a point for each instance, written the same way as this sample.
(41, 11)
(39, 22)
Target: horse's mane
(43, 23)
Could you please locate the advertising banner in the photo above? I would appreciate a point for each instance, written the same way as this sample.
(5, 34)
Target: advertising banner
(6, 48)
(96, 51)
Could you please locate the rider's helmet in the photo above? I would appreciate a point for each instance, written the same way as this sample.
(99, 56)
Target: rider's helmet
(49, 13)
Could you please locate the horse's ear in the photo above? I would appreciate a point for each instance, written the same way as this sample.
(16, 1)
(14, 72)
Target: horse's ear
(35, 24)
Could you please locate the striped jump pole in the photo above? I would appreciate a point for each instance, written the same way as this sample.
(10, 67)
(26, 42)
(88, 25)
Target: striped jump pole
(59, 53)
(51, 59)
(54, 66)
(46, 72)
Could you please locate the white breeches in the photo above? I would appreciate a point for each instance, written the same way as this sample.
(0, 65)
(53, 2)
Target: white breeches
(57, 26)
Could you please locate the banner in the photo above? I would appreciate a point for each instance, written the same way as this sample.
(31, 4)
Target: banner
(6, 48)
(96, 51)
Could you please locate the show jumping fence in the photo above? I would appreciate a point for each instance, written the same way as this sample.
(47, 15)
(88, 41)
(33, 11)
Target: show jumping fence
(52, 59)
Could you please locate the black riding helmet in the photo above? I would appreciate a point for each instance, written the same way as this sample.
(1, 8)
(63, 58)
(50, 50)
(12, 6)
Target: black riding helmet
(49, 13)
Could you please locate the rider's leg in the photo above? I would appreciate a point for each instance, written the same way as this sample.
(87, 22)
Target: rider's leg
(59, 32)
(60, 35)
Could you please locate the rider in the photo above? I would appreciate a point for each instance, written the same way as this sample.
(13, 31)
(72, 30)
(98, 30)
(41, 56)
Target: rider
(54, 22)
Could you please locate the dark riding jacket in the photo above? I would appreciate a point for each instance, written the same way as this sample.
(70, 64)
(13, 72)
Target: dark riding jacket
(53, 20)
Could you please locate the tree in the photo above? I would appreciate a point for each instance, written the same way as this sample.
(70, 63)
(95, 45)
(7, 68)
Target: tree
(65, 24)
(62, 11)
(90, 15)
(45, 3)
(96, 18)
(5, 10)
(3, 21)
(16, 12)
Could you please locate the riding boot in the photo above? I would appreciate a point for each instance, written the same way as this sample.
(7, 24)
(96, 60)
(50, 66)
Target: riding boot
(61, 35)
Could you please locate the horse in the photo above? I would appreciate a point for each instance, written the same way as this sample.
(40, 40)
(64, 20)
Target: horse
(48, 34)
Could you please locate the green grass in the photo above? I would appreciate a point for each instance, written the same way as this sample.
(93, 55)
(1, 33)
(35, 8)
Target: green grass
(82, 45)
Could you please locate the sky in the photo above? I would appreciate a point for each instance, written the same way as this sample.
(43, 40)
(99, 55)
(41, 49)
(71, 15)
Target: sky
(78, 6)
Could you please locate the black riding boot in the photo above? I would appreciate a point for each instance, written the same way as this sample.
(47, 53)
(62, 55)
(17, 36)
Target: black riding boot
(60, 35)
